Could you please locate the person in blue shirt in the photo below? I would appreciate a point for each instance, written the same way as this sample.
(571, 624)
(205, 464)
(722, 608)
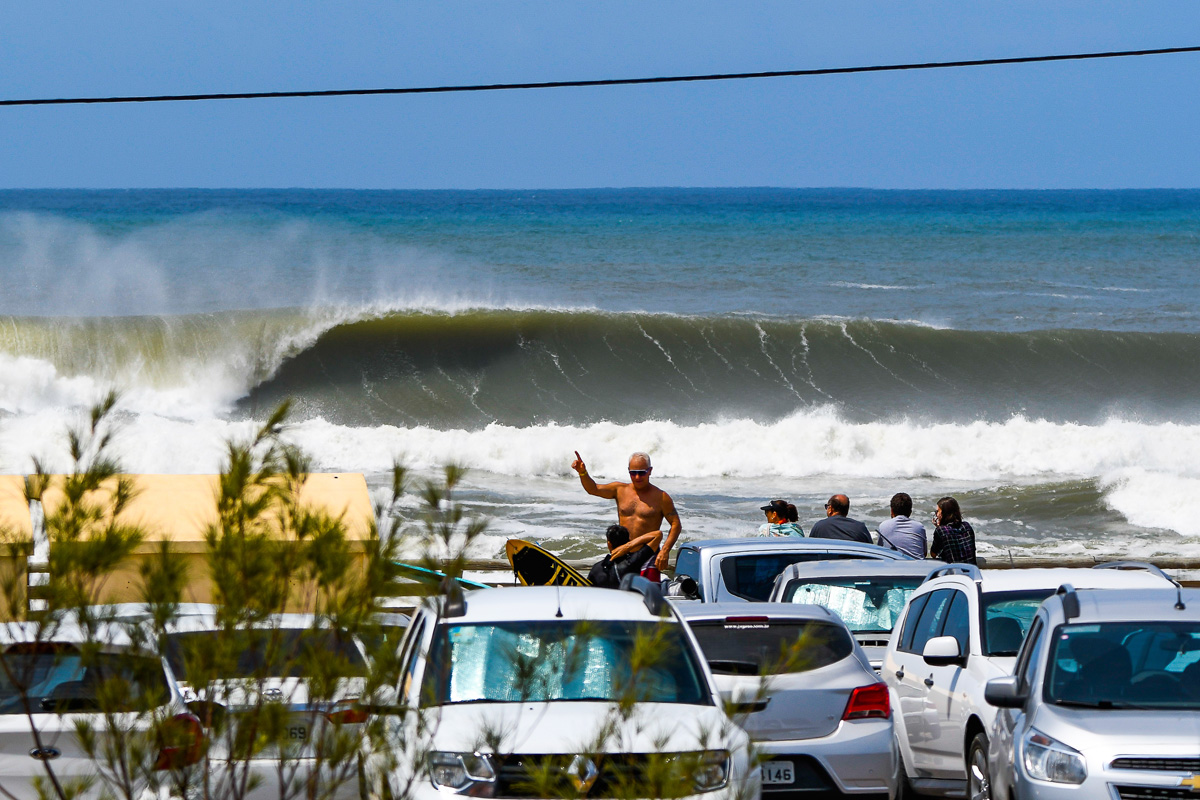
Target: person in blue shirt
(782, 520)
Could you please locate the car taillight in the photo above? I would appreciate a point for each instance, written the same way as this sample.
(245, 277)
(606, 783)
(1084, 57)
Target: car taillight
(869, 702)
(181, 742)
(346, 714)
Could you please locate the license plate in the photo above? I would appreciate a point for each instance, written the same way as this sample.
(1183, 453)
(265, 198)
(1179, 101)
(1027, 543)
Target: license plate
(776, 772)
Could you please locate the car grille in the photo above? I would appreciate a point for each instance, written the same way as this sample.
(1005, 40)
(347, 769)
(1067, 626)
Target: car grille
(547, 776)
(1153, 792)
(1162, 764)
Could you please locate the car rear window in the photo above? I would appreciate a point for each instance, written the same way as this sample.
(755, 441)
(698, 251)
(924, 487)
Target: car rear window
(752, 577)
(867, 606)
(58, 678)
(274, 653)
(763, 646)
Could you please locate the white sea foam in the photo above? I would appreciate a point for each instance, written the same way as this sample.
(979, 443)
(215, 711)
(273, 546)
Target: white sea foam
(1131, 461)
(877, 286)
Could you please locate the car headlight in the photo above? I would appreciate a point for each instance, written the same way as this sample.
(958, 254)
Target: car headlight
(712, 772)
(1048, 759)
(465, 773)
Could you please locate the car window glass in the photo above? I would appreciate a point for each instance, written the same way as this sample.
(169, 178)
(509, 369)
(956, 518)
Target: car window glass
(910, 622)
(689, 564)
(865, 605)
(933, 616)
(958, 622)
(60, 678)
(562, 661)
(1125, 665)
(1027, 663)
(262, 652)
(409, 660)
(1007, 617)
(756, 646)
(752, 577)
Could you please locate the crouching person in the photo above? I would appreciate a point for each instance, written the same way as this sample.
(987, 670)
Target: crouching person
(624, 557)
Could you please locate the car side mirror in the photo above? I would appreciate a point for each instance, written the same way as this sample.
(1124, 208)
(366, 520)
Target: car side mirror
(1005, 692)
(942, 651)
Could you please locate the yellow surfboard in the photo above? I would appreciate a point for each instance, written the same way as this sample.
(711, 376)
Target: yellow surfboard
(537, 567)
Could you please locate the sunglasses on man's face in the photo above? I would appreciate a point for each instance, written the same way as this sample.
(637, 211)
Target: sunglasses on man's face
(638, 473)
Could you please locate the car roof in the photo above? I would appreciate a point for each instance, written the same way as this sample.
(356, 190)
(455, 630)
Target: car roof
(551, 603)
(721, 611)
(855, 568)
(113, 636)
(1118, 605)
(1005, 580)
(207, 622)
(751, 544)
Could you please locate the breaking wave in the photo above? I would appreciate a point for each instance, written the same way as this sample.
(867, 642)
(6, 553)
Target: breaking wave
(471, 367)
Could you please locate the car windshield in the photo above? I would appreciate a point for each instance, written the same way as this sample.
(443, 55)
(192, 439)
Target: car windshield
(764, 646)
(866, 606)
(752, 577)
(512, 662)
(274, 653)
(1007, 617)
(1139, 665)
(57, 678)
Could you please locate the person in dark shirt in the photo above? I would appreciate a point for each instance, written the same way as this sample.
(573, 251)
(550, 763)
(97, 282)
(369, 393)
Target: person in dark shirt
(837, 525)
(953, 537)
(624, 556)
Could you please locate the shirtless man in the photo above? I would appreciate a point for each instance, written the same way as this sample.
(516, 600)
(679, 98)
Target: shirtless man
(641, 506)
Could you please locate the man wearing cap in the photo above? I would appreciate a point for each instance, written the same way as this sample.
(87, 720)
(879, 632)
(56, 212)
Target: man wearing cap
(782, 520)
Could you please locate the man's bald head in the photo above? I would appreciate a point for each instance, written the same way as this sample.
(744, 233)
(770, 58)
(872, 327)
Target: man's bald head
(839, 504)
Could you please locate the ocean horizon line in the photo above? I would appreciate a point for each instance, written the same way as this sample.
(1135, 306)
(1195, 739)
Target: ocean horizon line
(570, 189)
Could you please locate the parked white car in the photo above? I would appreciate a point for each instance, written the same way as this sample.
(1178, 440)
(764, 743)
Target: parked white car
(506, 689)
(819, 716)
(1104, 701)
(48, 685)
(271, 667)
(960, 629)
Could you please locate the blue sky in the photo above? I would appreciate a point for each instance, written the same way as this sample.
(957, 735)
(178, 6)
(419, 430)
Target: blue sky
(1108, 124)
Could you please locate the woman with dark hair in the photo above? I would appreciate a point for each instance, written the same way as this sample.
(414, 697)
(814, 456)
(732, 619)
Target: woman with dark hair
(782, 520)
(953, 537)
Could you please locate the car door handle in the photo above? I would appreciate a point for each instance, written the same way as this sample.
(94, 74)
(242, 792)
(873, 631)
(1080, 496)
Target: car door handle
(900, 672)
(929, 681)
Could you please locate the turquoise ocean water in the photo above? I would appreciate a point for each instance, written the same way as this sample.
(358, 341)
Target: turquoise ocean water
(1035, 353)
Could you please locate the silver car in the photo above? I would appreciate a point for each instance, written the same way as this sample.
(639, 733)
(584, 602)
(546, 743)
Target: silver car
(730, 570)
(1104, 701)
(868, 594)
(821, 719)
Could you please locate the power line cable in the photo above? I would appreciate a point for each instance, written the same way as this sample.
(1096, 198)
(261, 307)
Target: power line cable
(495, 87)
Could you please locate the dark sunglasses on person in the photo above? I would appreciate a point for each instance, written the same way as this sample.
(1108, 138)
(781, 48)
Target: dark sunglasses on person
(637, 473)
